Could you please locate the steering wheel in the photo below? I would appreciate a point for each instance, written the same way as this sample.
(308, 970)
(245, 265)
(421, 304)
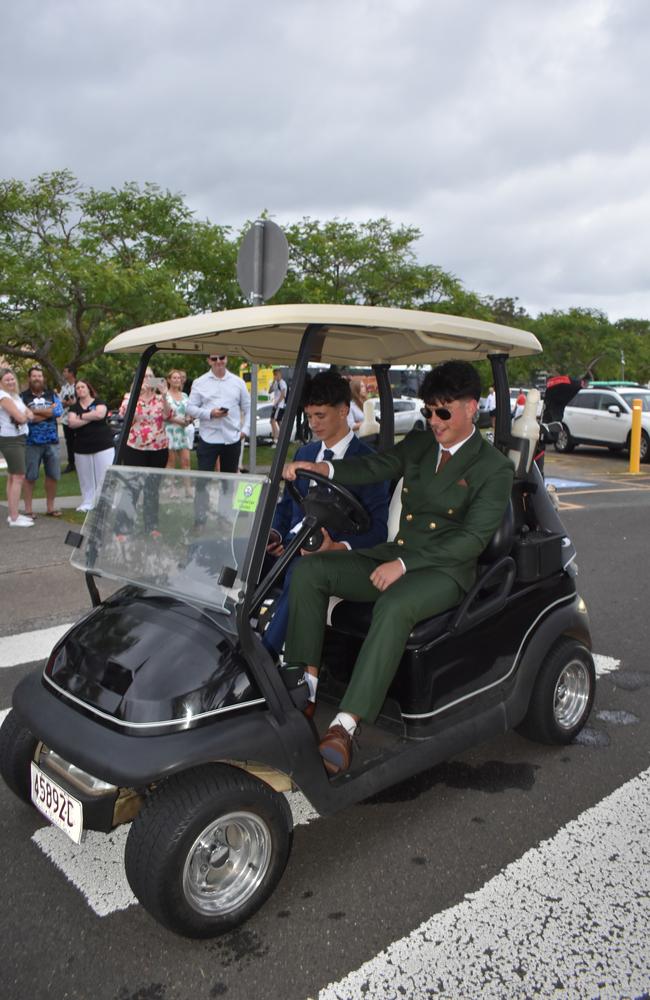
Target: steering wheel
(335, 507)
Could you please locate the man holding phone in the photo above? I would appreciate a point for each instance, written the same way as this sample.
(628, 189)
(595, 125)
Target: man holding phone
(221, 402)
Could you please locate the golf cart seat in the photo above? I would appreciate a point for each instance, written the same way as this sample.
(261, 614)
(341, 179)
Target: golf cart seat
(496, 576)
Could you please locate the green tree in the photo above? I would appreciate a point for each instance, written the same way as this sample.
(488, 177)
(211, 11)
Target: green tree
(368, 263)
(78, 266)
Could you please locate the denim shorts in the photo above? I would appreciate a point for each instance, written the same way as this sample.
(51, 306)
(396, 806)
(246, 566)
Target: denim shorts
(48, 454)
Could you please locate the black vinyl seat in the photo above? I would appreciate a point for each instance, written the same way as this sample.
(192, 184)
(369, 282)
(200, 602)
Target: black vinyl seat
(496, 576)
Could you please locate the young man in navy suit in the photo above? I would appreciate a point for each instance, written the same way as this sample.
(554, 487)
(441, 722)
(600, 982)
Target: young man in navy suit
(326, 403)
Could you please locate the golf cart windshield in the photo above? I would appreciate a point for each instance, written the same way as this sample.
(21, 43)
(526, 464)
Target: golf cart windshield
(179, 533)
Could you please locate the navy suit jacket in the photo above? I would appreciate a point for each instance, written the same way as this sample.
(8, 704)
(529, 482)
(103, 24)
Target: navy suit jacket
(373, 497)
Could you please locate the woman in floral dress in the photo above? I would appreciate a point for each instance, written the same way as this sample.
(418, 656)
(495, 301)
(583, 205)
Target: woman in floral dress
(147, 442)
(176, 426)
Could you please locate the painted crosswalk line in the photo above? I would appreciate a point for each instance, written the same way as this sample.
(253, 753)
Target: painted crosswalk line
(568, 919)
(29, 646)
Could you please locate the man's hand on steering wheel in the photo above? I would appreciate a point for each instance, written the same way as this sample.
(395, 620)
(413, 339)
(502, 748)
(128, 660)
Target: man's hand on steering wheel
(327, 545)
(320, 468)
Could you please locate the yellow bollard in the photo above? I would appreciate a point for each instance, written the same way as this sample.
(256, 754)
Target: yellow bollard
(635, 436)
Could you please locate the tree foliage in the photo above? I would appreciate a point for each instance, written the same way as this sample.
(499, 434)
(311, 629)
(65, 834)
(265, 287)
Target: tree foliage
(78, 266)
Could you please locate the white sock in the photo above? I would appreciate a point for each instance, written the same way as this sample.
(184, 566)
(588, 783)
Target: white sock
(312, 684)
(348, 722)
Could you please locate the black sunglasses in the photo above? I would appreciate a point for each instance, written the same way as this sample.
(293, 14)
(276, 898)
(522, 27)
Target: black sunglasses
(218, 357)
(441, 412)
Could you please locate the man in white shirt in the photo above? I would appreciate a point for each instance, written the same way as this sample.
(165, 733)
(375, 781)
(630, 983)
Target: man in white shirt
(221, 402)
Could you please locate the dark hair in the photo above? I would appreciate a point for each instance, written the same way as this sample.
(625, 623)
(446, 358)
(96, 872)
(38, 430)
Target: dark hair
(451, 380)
(326, 389)
(89, 386)
(35, 368)
(69, 368)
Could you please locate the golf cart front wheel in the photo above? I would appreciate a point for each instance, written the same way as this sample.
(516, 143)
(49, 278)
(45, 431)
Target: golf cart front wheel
(563, 695)
(17, 749)
(208, 849)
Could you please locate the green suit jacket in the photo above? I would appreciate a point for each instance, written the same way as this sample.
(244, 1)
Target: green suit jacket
(447, 517)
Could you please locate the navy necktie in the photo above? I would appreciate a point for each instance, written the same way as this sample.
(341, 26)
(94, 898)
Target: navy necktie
(328, 455)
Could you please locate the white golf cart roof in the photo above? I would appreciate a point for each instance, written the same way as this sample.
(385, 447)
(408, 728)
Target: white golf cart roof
(352, 335)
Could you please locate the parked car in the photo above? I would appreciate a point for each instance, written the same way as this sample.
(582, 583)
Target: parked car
(603, 416)
(263, 428)
(406, 414)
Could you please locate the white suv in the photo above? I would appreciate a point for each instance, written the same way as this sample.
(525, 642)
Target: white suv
(604, 417)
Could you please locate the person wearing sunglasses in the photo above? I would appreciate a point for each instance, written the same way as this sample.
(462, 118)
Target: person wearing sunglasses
(455, 490)
(221, 402)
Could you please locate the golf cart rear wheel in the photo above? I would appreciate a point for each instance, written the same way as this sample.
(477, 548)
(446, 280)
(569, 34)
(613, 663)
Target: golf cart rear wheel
(564, 443)
(208, 849)
(17, 748)
(563, 695)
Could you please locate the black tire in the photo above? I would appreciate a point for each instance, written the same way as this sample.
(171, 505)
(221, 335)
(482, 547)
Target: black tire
(17, 748)
(562, 696)
(203, 891)
(418, 425)
(564, 442)
(644, 450)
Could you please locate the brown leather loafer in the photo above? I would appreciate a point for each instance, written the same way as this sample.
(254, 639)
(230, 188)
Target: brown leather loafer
(309, 710)
(336, 750)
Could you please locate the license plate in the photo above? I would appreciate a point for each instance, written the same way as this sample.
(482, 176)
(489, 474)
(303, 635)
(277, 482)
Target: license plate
(54, 802)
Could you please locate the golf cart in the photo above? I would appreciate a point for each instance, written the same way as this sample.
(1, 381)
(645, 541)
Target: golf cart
(162, 706)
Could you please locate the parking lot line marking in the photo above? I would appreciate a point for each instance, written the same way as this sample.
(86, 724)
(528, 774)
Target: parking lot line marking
(26, 647)
(569, 919)
(606, 489)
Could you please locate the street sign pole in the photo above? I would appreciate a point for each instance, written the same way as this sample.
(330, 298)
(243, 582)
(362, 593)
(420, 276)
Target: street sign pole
(262, 264)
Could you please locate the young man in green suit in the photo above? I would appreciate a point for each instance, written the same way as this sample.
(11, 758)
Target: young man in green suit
(455, 490)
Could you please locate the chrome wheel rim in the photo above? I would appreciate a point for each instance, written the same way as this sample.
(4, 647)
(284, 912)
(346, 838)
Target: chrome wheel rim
(571, 695)
(563, 439)
(227, 863)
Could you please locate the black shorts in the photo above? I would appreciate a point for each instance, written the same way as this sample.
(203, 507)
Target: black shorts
(277, 413)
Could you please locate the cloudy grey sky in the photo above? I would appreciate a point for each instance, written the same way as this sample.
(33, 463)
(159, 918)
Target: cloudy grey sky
(513, 133)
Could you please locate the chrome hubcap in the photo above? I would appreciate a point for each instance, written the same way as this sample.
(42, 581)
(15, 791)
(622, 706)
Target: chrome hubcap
(227, 863)
(571, 694)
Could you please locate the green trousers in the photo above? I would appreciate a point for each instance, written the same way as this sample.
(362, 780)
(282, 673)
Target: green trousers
(416, 595)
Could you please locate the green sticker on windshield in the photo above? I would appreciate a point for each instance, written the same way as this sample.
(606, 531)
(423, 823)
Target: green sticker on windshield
(247, 496)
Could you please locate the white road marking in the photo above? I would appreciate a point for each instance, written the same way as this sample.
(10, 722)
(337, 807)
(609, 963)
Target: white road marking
(605, 664)
(29, 646)
(568, 919)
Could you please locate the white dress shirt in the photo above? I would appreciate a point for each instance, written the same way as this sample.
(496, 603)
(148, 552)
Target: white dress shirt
(208, 393)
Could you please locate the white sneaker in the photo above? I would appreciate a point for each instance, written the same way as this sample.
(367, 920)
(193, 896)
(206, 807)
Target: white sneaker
(84, 508)
(20, 522)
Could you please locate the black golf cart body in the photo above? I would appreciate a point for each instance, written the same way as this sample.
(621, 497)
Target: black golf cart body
(168, 677)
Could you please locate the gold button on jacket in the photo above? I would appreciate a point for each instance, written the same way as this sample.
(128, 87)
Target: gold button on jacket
(474, 484)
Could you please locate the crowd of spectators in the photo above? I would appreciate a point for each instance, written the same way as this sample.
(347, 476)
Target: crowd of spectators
(161, 434)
